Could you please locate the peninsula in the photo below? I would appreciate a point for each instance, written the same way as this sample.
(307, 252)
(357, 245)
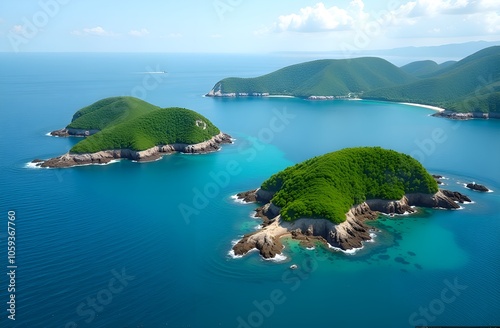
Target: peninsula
(329, 198)
(465, 89)
(127, 127)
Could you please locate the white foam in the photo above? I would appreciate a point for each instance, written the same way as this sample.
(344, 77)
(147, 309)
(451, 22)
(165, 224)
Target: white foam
(150, 161)
(258, 227)
(31, 165)
(391, 215)
(351, 251)
(311, 248)
(234, 256)
(238, 200)
(277, 258)
(373, 235)
(108, 163)
(48, 134)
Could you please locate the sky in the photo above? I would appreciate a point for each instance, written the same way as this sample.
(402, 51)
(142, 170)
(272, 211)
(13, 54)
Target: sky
(242, 26)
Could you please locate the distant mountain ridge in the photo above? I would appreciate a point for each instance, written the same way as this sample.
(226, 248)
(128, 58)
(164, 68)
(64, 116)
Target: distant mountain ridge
(469, 85)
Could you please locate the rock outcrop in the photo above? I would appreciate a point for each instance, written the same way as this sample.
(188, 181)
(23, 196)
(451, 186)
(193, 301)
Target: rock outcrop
(68, 132)
(466, 116)
(347, 235)
(217, 92)
(478, 187)
(154, 153)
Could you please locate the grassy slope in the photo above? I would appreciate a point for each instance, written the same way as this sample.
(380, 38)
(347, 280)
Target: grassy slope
(327, 186)
(468, 85)
(322, 78)
(156, 127)
(107, 112)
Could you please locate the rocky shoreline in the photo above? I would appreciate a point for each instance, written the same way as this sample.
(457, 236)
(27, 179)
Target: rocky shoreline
(466, 116)
(69, 132)
(151, 154)
(347, 235)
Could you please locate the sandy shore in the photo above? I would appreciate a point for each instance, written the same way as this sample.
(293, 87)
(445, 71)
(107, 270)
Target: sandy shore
(438, 109)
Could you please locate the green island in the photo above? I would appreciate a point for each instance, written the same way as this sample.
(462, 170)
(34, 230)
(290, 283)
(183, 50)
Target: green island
(471, 85)
(328, 198)
(127, 127)
(329, 185)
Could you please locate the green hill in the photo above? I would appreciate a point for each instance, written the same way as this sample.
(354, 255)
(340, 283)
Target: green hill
(328, 186)
(425, 68)
(109, 111)
(327, 77)
(468, 85)
(421, 68)
(130, 123)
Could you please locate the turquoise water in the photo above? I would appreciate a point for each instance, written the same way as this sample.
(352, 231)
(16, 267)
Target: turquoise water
(79, 228)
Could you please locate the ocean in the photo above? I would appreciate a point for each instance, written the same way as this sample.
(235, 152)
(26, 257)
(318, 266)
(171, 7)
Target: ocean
(114, 246)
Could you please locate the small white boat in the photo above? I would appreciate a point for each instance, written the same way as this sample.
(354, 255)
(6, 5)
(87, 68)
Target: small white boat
(293, 266)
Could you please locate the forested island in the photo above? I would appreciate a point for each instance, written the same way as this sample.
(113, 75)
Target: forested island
(328, 198)
(469, 88)
(127, 127)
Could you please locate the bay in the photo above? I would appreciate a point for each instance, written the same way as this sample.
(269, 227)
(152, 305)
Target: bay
(80, 228)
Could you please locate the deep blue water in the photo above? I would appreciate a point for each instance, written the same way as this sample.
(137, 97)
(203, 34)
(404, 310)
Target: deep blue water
(78, 229)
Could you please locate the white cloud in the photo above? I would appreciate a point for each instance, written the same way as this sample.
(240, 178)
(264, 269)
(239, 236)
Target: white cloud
(317, 19)
(492, 21)
(139, 33)
(95, 31)
(432, 8)
(481, 13)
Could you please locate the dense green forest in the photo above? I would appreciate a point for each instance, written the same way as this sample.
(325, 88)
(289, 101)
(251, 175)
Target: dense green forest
(108, 112)
(321, 78)
(424, 68)
(469, 85)
(328, 186)
(130, 123)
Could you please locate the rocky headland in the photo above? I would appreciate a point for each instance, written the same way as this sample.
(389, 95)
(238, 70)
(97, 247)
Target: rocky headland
(347, 235)
(151, 154)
